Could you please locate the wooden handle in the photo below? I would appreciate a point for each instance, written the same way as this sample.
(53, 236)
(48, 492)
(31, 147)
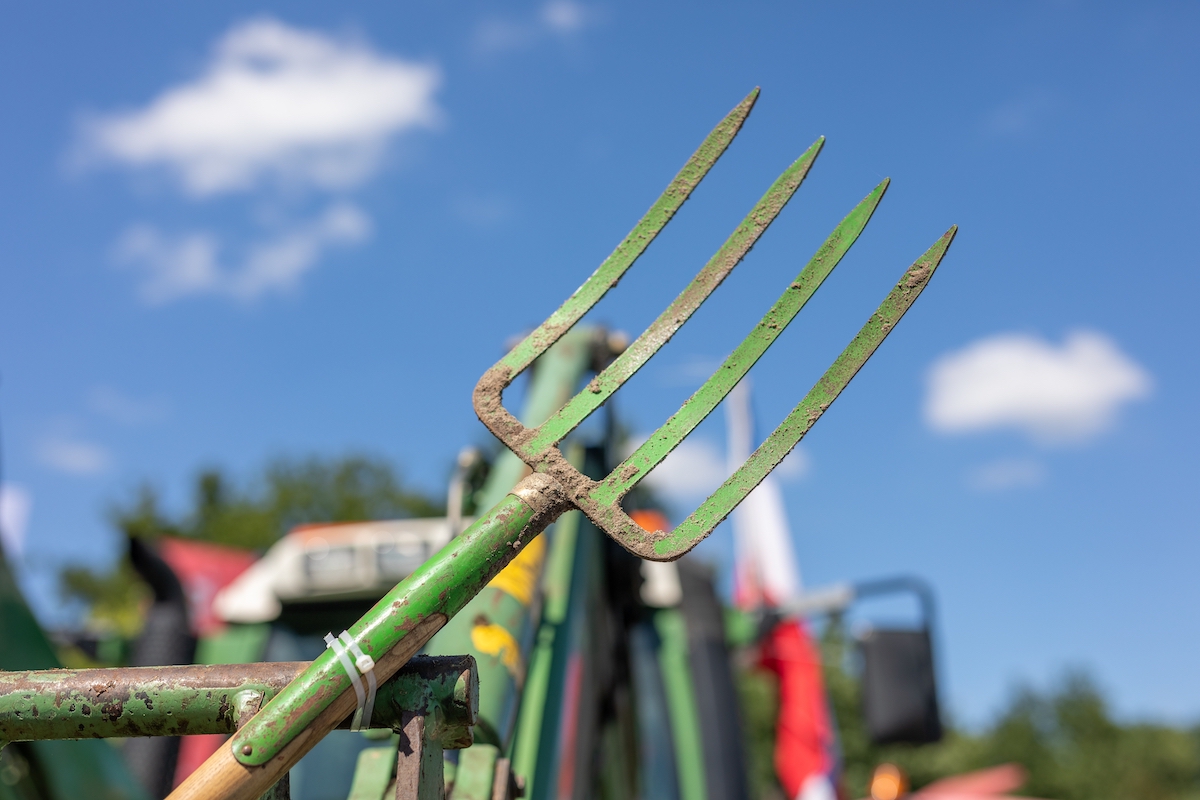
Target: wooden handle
(223, 777)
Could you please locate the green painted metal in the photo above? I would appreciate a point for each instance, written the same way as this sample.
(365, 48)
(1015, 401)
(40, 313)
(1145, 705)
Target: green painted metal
(678, 312)
(236, 644)
(555, 747)
(374, 772)
(178, 701)
(806, 413)
(557, 734)
(476, 773)
(441, 586)
(674, 662)
(497, 627)
(541, 698)
(65, 770)
(651, 453)
(648, 227)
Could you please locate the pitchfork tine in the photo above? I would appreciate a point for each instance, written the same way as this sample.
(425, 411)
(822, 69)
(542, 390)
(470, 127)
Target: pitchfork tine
(648, 227)
(601, 501)
(722, 381)
(744, 237)
(721, 503)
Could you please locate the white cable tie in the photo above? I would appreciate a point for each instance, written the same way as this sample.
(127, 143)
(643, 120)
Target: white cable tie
(365, 665)
(352, 672)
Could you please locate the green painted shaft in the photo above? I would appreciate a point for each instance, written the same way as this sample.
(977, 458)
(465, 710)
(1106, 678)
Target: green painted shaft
(188, 700)
(497, 627)
(541, 695)
(442, 585)
(793, 428)
(648, 227)
(730, 254)
(721, 382)
(546, 745)
(475, 777)
(673, 659)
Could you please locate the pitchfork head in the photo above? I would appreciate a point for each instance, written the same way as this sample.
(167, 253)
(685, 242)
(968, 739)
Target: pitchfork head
(601, 500)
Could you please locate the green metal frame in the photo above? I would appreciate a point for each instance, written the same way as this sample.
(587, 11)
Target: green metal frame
(189, 700)
(503, 616)
(55, 770)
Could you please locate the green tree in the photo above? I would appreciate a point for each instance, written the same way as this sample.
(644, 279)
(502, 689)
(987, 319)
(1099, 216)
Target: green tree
(1066, 738)
(289, 492)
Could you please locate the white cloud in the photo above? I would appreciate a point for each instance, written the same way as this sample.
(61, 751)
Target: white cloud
(561, 18)
(565, 16)
(1053, 393)
(15, 503)
(72, 455)
(175, 267)
(274, 101)
(1009, 473)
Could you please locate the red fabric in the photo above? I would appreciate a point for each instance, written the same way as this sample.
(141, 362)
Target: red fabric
(204, 569)
(804, 737)
(194, 751)
(979, 785)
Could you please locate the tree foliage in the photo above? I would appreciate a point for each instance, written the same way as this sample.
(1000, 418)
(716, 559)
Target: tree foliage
(289, 492)
(116, 599)
(1065, 737)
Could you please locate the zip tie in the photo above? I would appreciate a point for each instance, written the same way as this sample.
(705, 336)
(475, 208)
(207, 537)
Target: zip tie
(365, 665)
(362, 664)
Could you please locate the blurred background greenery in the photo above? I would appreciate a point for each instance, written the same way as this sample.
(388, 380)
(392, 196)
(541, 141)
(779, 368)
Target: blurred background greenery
(1064, 736)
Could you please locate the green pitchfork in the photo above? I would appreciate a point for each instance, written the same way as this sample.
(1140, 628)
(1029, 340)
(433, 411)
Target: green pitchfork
(404, 620)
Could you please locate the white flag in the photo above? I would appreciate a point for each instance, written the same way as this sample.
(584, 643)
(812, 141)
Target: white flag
(766, 569)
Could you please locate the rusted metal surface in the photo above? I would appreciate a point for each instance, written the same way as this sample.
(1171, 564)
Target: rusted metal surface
(282, 790)
(178, 701)
(419, 770)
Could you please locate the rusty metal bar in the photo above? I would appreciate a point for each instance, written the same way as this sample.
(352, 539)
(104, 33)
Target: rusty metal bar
(178, 701)
(419, 769)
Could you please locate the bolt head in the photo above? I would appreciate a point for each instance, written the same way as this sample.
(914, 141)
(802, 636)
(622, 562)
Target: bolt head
(247, 749)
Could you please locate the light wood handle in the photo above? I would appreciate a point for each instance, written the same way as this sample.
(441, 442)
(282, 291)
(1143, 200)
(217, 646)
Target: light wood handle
(223, 777)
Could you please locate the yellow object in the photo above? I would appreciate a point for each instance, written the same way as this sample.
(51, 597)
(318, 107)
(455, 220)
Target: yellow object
(497, 641)
(519, 578)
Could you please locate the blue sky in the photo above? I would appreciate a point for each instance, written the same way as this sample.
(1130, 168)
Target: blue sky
(403, 187)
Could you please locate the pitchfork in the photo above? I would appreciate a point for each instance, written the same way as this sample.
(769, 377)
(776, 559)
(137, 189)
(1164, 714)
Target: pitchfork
(405, 619)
